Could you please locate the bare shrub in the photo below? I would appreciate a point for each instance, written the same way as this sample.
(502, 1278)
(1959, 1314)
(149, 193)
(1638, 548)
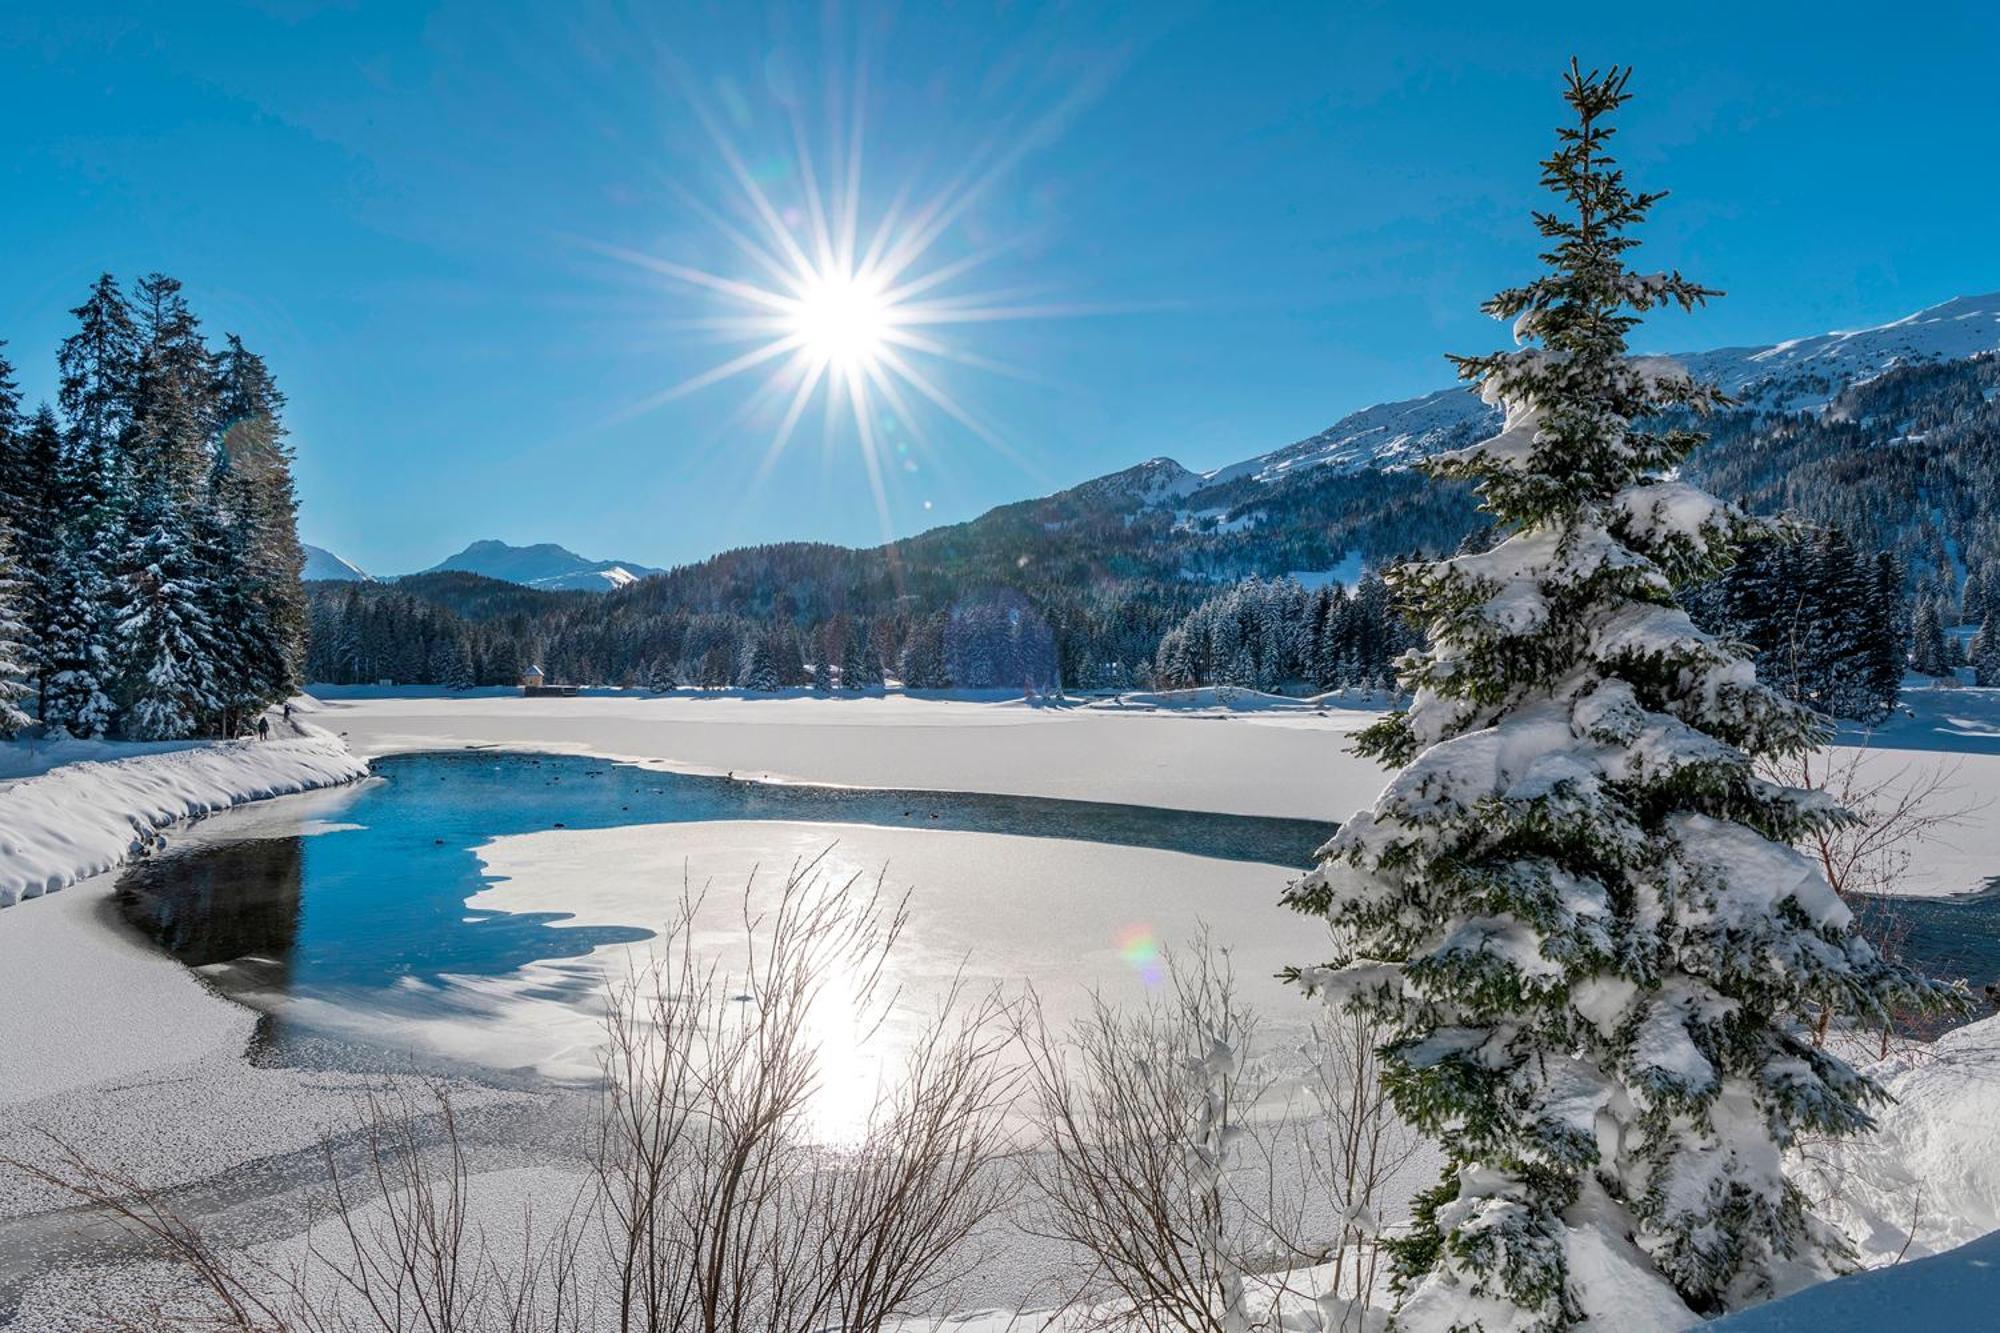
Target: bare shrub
(1865, 859)
(721, 1211)
(715, 1201)
(1356, 1150)
(1141, 1114)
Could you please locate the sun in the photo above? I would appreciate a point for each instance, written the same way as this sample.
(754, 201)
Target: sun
(842, 321)
(828, 306)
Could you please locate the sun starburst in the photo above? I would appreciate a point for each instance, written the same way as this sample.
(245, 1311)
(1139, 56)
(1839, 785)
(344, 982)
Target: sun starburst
(827, 311)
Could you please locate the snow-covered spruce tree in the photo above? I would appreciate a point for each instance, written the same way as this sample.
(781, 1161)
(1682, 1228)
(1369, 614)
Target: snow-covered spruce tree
(1576, 908)
(13, 660)
(162, 638)
(860, 668)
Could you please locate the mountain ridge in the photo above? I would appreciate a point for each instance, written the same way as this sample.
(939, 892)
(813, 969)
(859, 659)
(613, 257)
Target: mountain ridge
(1217, 513)
(1794, 374)
(541, 565)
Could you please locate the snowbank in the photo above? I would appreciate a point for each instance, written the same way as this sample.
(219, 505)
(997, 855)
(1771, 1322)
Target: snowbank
(1920, 1198)
(1926, 1180)
(83, 818)
(1958, 1290)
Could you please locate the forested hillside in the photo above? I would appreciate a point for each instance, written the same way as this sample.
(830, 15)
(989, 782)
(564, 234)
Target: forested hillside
(1131, 579)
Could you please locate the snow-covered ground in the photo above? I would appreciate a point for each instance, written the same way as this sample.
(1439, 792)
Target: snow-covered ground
(1287, 761)
(109, 1041)
(84, 812)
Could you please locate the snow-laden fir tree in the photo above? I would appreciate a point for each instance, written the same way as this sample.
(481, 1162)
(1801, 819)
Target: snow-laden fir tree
(162, 637)
(1577, 908)
(1928, 654)
(1985, 651)
(14, 686)
(860, 668)
(760, 664)
(74, 655)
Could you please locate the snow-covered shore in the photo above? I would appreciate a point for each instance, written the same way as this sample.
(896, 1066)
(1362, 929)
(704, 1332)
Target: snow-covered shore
(81, 819)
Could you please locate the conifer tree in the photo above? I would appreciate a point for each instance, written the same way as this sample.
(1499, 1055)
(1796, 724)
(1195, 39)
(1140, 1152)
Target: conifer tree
(860, 669)
(1928, 654)
(15, 481)
(1886, 621)
(828, 642)
(1985, 651)
(253, 494)
(39, 501)
(760, 664)
(1576, 907)
(13, 660)
(163, 640)
(98, 368)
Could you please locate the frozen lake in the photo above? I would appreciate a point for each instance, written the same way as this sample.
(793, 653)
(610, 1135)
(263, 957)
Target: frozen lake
(472, 905)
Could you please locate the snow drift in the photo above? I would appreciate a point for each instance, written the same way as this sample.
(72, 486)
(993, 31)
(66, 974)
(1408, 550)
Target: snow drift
(82, 819)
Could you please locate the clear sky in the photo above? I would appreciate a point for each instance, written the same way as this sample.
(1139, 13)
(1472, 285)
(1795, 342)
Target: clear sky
(1223, 226)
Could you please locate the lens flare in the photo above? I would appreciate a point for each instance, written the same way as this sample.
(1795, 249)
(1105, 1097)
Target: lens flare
(1140, 949)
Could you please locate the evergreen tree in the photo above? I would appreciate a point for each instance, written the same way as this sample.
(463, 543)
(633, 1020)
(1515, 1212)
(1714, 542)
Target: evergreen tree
(252, 492)
(1887, 650)
(1928, 654)
(829, 641)
(860, 668)
(98, 368)
(760, 664)
(925, 665)
(1985, 652)
(13, 661)
(16, 481)
(1576, 907)
(162, 638)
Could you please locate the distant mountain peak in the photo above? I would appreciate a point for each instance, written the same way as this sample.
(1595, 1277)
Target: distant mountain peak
(542, 565)
(325, 565)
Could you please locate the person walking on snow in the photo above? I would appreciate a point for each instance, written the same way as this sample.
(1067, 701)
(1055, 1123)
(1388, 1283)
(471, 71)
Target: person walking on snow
(263, 728)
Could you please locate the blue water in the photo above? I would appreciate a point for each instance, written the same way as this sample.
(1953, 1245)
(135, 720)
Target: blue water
(369, 907)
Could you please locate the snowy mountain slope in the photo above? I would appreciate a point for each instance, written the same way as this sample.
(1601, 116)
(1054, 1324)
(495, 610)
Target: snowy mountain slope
(544, 565)
(1800, 374)
(324, 564)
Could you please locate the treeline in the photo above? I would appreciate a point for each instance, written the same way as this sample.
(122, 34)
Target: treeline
(1155, 576)
(1830, 626)
(152, 571)
(1266, 635)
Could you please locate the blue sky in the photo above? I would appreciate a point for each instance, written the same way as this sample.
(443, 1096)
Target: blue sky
(1248, 221)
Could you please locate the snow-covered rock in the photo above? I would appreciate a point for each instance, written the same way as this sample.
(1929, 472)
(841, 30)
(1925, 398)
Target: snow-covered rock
(81, 819)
